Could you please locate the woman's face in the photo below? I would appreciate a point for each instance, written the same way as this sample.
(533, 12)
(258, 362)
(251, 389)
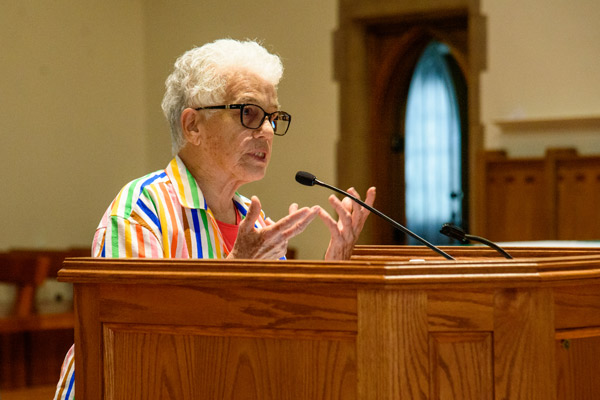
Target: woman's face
(232, 151)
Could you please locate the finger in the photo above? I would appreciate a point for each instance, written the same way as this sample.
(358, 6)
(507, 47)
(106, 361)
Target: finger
(284, 229)
(343, 214)
(355, 206)
(293, 217)
(298, 218)
(329, 222)
(351, 204)
(293, 208)
(252, 214)
(300, 225)
(370, 199)
(361, 217)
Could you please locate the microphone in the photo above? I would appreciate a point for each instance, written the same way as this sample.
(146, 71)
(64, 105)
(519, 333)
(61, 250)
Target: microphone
(454, 232)
(308, 179)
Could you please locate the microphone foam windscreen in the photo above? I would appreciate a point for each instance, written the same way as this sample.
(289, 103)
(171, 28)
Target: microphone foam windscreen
(305, 178)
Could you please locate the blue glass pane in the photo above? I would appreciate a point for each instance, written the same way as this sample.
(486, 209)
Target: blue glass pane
(433, 148)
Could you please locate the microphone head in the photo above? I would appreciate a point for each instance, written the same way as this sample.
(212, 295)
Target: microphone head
(454, 232)
(305, 178)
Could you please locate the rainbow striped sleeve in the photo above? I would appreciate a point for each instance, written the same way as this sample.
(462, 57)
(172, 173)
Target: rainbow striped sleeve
(65, 389)
(131, 226)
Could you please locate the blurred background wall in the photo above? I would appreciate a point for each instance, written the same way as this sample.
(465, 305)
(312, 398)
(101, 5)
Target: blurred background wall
(81, 84)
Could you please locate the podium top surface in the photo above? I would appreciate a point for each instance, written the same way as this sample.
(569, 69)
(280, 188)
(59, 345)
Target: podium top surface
(371, 266)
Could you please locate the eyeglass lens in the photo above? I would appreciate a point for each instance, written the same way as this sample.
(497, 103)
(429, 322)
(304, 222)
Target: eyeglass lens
(253, 117)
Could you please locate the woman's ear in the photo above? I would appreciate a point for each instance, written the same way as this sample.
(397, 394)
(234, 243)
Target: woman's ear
(190, 126)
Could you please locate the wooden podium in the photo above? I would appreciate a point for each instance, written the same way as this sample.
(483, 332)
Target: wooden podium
(393, 323)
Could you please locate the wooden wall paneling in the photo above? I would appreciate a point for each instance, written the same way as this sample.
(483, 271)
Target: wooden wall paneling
(523, 333)
(392, 345)
(551, 197)
(555, 197)
(578, 199)
(461, 366)
(514, 192)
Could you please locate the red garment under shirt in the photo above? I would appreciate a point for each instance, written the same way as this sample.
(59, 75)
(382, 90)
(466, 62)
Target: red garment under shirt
(230, 231)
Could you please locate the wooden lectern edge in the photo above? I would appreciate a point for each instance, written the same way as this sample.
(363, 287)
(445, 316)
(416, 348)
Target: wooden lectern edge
(471, 272)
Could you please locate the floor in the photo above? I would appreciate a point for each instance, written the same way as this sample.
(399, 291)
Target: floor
(31, 393)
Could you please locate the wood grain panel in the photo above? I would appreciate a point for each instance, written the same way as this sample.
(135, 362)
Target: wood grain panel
(461, 366)
(577, 306)
(88, 336)
(578, 366)
(225, 367)
(232, 306)
(392, 347)
(460, 310)
(523, 343)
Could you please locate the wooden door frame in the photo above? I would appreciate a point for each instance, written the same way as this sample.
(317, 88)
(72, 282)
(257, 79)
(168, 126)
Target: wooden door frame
(356, 160)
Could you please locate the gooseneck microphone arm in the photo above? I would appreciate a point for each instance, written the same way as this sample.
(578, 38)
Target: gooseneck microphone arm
(308, 179)
(454, 232)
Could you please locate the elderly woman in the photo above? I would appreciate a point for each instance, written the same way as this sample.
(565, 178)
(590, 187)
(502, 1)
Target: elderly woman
(222, 106)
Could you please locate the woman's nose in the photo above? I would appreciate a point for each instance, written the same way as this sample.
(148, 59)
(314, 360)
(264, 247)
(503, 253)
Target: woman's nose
(266, 129)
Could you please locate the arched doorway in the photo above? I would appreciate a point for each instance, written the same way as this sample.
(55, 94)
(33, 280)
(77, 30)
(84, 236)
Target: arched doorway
(421, 55)
(435, 145)
(377, 47)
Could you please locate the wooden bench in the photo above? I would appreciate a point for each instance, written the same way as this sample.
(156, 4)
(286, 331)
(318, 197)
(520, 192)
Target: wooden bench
(32, 344)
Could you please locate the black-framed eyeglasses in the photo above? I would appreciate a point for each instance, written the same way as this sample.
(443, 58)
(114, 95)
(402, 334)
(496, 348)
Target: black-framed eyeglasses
(253, 116)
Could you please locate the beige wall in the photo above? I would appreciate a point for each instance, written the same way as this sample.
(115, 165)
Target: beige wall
(81, 84)
(543, 61)
(71, 116)
(80, 99)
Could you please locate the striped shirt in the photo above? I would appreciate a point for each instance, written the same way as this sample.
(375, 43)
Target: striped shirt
(161, 215)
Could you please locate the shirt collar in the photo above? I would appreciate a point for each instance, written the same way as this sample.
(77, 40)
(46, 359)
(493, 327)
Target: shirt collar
(187, 189)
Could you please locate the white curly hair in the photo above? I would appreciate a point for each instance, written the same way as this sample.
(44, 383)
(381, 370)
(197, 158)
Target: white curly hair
(200, 75)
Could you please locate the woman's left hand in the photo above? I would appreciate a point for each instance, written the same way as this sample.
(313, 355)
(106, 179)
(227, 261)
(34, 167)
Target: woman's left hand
(351, 219)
